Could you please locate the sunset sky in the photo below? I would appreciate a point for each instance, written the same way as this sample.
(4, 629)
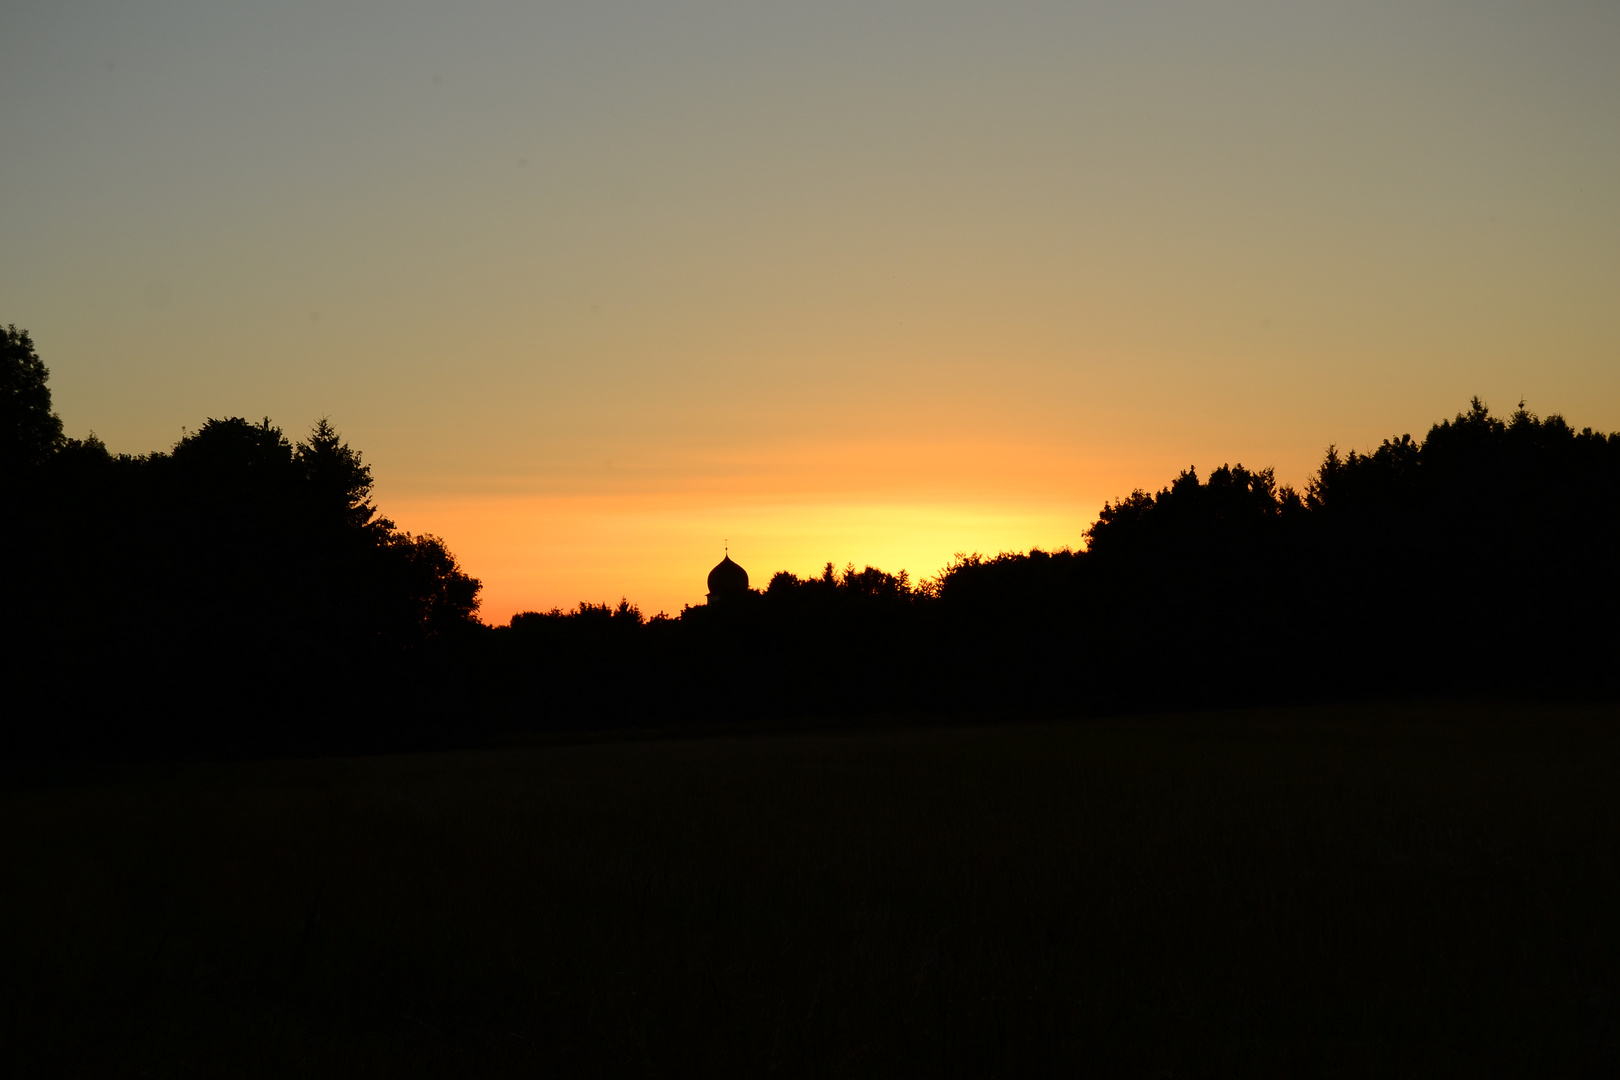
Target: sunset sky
(597, 286)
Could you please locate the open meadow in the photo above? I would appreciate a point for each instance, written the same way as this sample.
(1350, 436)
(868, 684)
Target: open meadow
(1420, 889)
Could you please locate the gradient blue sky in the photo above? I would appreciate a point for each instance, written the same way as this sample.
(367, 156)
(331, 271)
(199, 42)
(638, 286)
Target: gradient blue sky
(594, 286)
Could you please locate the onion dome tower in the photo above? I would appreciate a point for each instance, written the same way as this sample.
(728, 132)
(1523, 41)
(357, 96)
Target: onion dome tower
(727, 582)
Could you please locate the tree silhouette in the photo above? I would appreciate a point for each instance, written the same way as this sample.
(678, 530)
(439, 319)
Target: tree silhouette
(29, 431)
(208, 594)
(338, 483)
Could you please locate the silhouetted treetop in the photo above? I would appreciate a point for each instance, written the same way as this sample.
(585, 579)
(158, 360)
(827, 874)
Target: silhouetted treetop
(841, 588)
(1234, 506)
(1475, 470)
(29, 431)
(338, 481)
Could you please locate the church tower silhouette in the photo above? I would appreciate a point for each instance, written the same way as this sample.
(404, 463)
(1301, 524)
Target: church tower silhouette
(727, 581)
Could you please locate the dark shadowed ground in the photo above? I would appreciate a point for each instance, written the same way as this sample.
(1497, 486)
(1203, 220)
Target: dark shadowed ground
(1418, 889)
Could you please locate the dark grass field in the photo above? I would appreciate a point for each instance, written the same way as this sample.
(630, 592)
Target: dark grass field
(1396, 890)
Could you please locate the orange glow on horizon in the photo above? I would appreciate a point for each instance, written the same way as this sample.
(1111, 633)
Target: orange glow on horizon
(897, 506)
(534, 553)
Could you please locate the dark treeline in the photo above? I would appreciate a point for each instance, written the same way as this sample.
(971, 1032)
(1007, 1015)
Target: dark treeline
(241, 590)
(1483, 558)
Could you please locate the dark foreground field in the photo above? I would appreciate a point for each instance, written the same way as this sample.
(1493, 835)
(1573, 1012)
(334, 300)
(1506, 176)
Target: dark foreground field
(1394, 890)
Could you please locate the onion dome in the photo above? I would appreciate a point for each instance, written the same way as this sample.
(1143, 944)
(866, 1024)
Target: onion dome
(727, 580)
